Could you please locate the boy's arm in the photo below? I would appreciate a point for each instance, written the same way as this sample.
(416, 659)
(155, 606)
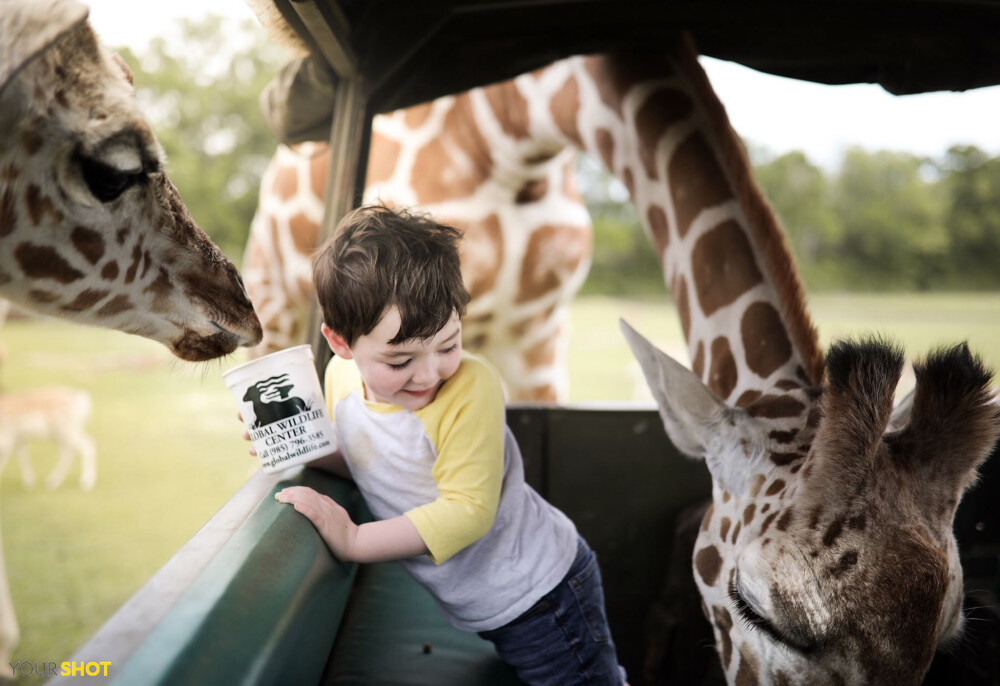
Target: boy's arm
(389, 539)
(469, 469)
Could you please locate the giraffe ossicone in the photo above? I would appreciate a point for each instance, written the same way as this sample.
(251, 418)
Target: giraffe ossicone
(836, 563)
(91, 228)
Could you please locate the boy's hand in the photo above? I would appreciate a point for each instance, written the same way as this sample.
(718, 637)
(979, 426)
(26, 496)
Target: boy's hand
(330, 519)
(246, 433)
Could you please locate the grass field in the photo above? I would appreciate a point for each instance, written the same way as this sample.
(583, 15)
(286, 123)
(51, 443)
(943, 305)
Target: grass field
(601, 366)
(170, 453)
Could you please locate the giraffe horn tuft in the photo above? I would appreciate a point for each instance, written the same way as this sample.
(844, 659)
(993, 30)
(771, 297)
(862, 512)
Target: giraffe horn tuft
(954, 420)
(861, 378)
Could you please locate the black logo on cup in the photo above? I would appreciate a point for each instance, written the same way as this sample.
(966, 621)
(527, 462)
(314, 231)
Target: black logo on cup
(271, 401)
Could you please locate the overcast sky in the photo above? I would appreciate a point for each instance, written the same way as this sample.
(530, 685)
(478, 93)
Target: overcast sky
(776, 113)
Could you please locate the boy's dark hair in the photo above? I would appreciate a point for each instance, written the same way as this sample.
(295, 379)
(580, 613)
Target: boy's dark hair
(380, 257)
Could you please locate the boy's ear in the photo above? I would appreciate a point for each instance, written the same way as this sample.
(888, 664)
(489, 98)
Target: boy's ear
(337, 344)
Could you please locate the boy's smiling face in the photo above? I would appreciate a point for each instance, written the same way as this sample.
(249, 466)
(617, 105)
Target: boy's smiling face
(407, 374)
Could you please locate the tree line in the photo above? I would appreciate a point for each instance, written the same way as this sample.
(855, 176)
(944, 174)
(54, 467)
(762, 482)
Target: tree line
(881, 221)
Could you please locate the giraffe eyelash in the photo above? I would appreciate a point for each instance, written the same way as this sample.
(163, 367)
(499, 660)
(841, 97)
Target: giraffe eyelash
(753, 620)
(750, 617)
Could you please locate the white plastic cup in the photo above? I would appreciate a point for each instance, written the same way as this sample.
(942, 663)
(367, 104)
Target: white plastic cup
(283, 408)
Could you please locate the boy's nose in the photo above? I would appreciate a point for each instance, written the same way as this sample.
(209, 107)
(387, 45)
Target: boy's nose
(424, 373)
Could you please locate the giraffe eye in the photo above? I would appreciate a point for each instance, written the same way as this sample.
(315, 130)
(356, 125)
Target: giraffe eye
(105, 182)
(755, 620)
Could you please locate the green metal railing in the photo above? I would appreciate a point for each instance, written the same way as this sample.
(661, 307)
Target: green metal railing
(254, 597)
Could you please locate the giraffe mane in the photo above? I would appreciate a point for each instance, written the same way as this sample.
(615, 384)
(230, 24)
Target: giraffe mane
(778, 258)
(277, 27)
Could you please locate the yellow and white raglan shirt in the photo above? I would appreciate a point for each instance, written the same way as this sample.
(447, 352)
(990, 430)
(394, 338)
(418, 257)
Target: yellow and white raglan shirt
(454, 469)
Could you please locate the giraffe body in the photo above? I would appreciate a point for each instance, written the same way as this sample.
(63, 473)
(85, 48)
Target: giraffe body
(507, 185)
(91, 228)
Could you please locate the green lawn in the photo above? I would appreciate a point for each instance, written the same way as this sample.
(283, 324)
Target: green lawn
(601, 366)
(170, 452)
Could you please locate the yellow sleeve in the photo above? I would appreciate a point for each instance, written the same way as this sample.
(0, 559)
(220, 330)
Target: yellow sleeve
(466, 423)
(340, 378)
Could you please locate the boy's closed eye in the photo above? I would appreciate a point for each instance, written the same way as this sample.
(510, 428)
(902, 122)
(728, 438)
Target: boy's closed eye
(406, 363)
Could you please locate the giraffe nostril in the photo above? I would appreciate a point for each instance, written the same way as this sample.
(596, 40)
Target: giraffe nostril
(251, 336)
(238, 279)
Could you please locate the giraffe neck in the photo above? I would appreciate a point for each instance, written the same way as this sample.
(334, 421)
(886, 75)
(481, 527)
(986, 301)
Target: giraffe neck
(657, 125)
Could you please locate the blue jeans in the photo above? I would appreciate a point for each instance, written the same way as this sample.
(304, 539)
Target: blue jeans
(564, 638)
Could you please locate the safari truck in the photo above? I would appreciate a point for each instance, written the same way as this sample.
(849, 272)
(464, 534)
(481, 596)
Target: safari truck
(255, 597)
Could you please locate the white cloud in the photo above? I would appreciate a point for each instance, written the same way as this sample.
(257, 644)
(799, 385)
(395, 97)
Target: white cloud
(786, 114)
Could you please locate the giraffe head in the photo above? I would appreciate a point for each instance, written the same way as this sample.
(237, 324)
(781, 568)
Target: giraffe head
(828, 555)
(91, 228)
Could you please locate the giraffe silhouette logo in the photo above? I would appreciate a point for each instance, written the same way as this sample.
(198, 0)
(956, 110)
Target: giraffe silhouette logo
(271, 400)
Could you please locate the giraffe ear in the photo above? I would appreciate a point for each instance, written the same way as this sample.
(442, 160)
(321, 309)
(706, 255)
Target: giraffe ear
(684, 401)
(698, 423)
(29, 27)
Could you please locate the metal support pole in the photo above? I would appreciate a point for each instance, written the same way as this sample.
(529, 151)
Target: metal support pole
(348, 162)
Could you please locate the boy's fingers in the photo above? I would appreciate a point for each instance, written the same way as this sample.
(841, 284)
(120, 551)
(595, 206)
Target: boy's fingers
(305, 510)
(308, 502)
(304, 500)
(246, 433)
(286, 495)
(293, 494)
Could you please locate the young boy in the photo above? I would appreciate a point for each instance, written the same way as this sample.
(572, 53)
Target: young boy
(421, 430)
